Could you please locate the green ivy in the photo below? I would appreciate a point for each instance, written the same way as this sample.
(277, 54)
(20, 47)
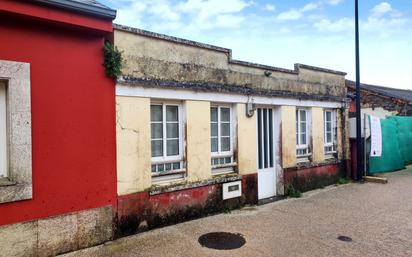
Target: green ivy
(112, 60)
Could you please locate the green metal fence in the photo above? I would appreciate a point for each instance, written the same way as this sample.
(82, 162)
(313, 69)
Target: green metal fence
(396, 145)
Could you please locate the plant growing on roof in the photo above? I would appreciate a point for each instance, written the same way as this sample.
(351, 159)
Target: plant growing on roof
(112, 60)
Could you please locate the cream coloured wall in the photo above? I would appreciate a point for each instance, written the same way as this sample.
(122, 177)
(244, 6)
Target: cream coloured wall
(133, 144)
(288, 132)
(136, 46)
(198, 140)
(246, 141)
(318, 148)
(133, 141)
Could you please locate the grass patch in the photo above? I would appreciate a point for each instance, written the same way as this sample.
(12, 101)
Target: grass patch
(292, 192)
(342, 181)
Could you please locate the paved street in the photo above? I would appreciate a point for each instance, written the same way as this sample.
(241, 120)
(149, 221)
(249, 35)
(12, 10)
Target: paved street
(377, 217)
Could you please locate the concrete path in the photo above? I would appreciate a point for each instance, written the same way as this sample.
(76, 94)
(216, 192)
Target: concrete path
(377, 217)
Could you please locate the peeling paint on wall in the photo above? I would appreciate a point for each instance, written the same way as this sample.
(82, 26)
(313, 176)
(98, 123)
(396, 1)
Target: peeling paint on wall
(133, 144)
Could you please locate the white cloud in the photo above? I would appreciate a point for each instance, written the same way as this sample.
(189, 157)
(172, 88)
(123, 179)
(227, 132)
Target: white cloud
(228, 21)
(334, 2)
(384, 26)
(270, 7)
(340, 25)
(212, 7)
(309, 7)
(384, 20)
(131, 14)
(296, 14)
(381, 9)
(292, 14)
(212, 14)
(163, 11)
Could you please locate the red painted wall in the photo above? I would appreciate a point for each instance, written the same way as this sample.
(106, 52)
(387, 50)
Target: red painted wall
(329, 169)
(310, 178)
(73, 119)
(177, 206)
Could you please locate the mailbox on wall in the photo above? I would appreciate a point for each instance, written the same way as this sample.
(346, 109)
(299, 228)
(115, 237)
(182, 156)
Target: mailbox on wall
(232, 190)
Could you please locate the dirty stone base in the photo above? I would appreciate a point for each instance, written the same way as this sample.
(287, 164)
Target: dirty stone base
(143, 211)
(305, 178)
(56, 235)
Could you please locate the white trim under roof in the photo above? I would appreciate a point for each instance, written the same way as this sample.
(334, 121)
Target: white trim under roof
(181, 94)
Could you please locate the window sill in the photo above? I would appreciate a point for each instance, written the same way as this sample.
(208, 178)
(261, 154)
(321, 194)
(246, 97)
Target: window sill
(222, 173)
(168, 173)
(169, 178)
(12, 191)
(303, 159)
(183, 184)
(329, 156)
(224, 169)
(168, 182)
(6, 182)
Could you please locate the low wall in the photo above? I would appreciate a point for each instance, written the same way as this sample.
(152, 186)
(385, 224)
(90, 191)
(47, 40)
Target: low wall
(142, 211)
(312, 177)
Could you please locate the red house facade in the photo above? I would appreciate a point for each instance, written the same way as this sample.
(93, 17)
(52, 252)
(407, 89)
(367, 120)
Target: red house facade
(58, 179)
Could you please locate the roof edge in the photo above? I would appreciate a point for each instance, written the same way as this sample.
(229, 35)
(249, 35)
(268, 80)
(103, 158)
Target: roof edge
(97, 11)
(222, 88)
(170, 38)
(309, 67)
(379, 90)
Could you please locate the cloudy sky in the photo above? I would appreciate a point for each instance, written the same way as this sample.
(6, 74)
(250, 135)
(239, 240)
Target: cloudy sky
(283, 32)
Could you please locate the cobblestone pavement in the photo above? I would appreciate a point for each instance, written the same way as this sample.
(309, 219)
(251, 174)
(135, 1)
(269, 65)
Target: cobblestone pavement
(378, 218)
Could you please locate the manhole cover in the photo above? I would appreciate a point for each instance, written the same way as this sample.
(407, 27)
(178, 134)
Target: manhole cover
(345, 238)
(222, 240)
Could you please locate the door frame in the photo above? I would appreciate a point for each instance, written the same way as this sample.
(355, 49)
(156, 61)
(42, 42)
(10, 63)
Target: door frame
(275, 143)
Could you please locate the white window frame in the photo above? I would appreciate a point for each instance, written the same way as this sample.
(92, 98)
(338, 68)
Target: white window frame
(299, 146)
(177, 173)
(333, 132)
(4, 166)
(226, 167)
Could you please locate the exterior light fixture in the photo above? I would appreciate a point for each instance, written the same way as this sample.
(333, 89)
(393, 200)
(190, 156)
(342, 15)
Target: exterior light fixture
(250, 107)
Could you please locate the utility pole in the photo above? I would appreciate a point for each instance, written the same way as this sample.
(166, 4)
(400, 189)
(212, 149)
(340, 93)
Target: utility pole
(359, 145)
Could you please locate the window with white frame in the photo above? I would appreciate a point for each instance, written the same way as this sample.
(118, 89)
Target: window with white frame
(3, 130)
(221, 134)
(302, 134)
(330, 131)
(166, 140)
